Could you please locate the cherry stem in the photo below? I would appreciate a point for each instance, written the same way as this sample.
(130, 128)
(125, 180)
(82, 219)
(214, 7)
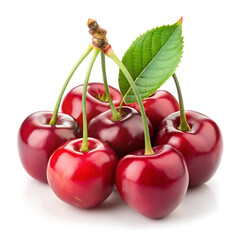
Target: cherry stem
(123, 99)
(183, 120)
(112, 55)
(84, 146)
(121, 103)
(113, 109)
(53, 120)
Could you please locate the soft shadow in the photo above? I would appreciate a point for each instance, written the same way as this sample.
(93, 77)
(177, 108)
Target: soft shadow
(41, 199)
(36, 194)
(198, 202)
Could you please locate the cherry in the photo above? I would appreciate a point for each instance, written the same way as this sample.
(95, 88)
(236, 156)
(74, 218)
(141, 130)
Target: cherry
(125, 135)
(197, 137)
(83, 179)
(201, 146)
(96, 101)
(155, 184)
(37, 140)
(158, 106)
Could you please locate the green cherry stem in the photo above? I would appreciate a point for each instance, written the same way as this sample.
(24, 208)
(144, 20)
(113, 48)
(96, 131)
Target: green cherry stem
(112, 55)
(113, 109)
(121, 103)
(183, 120)
(53, 120)
(84, 146)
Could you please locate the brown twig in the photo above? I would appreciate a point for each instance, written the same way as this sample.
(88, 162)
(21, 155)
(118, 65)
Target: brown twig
(99, 39)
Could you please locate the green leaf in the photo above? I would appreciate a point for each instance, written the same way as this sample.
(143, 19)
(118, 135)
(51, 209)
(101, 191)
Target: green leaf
(151, 59)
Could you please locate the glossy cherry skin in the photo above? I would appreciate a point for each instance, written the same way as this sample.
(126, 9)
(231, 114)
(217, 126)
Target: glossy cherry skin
(202, 146)
(125, 135)
(158, 106)
(72, 103)
(37, 140)
(83, 179)
(154, 185)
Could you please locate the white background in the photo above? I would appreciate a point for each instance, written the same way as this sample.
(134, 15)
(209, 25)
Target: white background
(39, 43)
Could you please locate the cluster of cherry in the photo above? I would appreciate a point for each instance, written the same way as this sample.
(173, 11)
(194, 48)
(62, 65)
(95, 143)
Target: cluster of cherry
(98, 141)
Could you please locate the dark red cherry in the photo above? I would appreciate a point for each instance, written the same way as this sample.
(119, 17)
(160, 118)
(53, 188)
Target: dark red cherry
(158, 106)
(202, 146)
(96, 101)
(154, 185)
(125, 135)
(37, 140)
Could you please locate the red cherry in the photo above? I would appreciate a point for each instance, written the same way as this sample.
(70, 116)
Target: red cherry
(154, 185)
(83, 179)
(96, 101)
(125, 135)
(37, 140)
(201, 147)
(158, 106)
